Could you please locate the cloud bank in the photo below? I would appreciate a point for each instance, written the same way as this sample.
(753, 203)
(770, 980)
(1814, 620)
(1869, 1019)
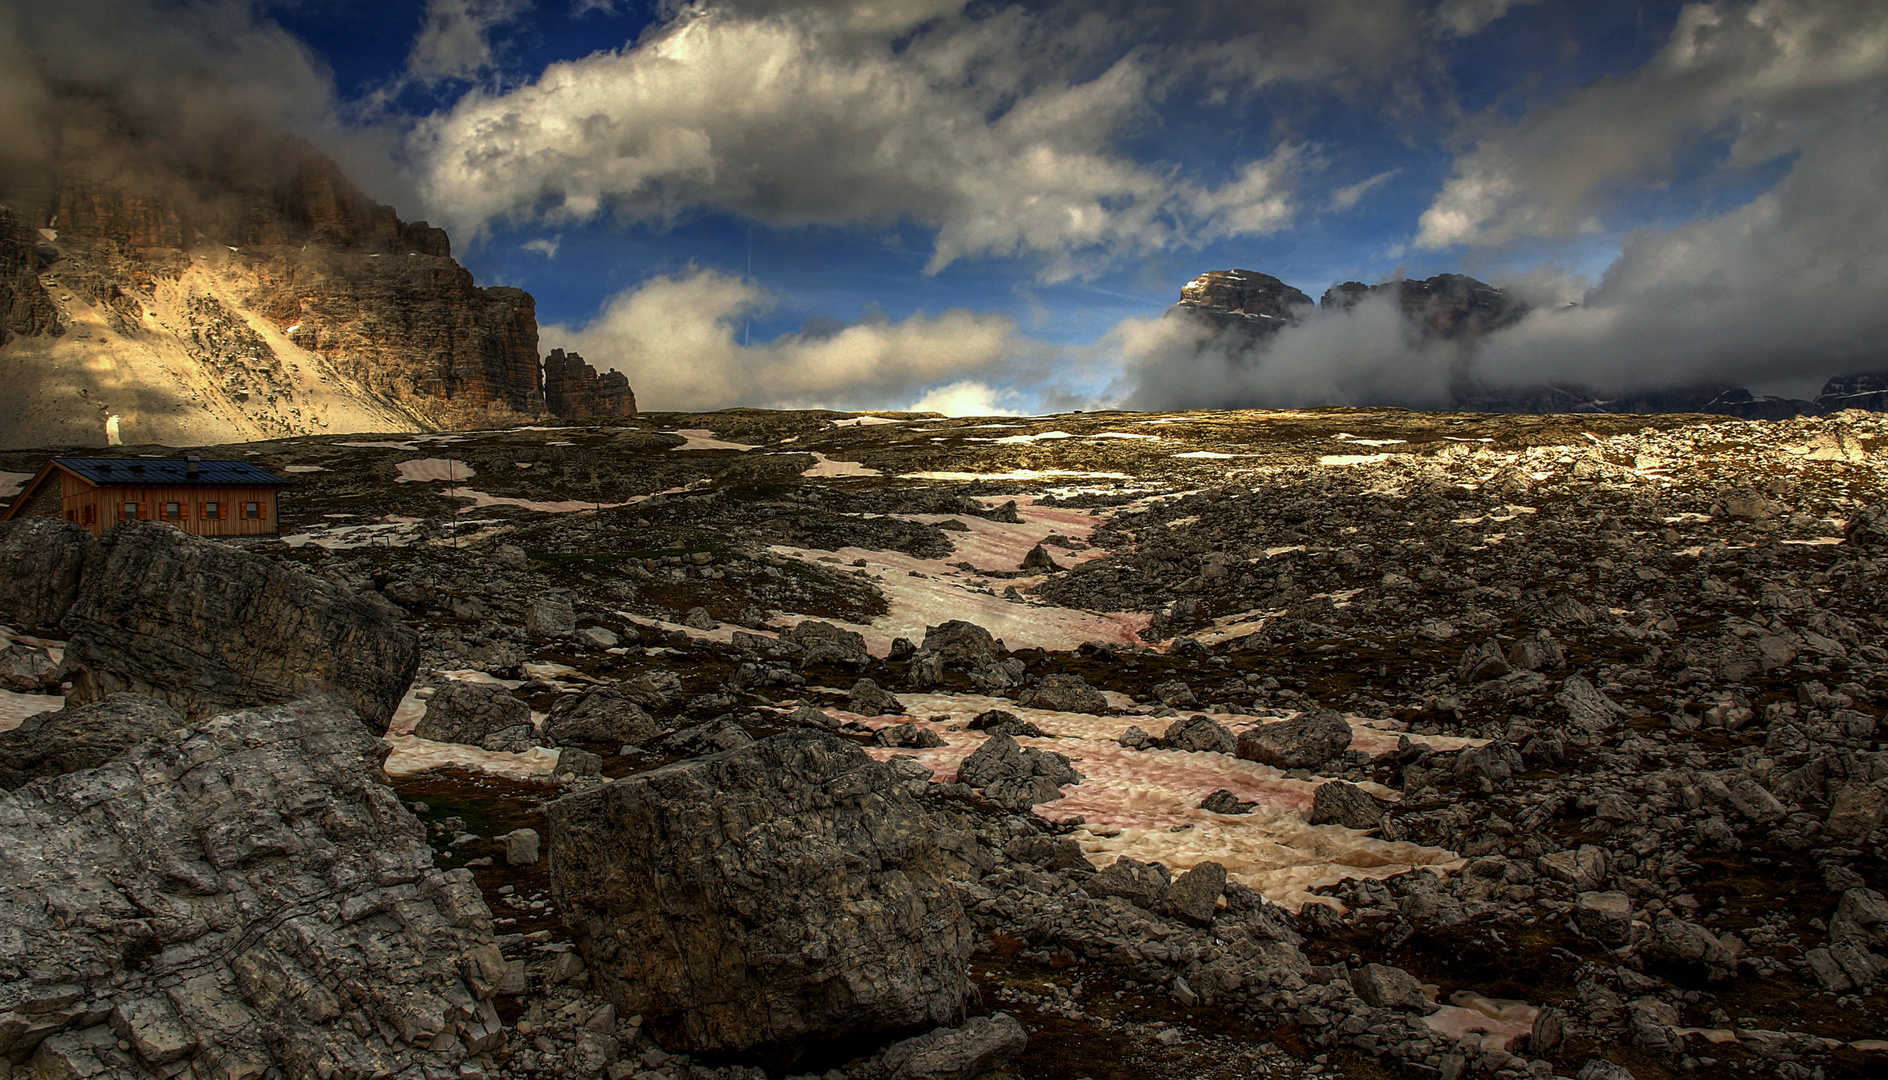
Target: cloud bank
(679, 341)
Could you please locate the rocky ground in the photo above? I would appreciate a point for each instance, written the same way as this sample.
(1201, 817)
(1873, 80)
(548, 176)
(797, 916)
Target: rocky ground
(1335, 742)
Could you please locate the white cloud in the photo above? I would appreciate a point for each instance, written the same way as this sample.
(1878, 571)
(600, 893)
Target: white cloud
(548, 248)
(1467, 17)
(678, 340)
(455, 39)
(969, 398)
(999, 129)
(1763, 75)
(1346, 197)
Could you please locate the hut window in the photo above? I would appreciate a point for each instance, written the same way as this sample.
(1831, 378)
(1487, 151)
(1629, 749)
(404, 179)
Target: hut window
(91, 515)
(72, 515)
(128, 512)
(252, 509)
(211, 511)
(173, 511)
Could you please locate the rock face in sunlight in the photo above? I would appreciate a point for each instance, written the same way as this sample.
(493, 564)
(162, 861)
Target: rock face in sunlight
(790, 891)
(1252, 302)
(243, 294)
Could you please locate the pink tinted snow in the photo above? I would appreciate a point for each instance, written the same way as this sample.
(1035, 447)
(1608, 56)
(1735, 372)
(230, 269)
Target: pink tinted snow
(430, 469)
(481, 500)
(703, 439)
(825, 466)
(1500, 1020)
(1145, 804)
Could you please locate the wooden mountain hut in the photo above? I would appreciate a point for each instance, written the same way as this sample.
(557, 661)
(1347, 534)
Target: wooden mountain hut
(208, 498)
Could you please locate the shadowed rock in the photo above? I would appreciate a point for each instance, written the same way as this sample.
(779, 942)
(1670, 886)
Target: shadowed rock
(41, 560)
(478, 714)
(1015, 777)
(1339, 803)
(206, 627)
(1303, 742)
(603, 714)
(787, 892)
(53, 743)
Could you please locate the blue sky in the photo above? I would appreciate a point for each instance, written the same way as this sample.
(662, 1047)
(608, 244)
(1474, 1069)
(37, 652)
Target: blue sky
(989, 205)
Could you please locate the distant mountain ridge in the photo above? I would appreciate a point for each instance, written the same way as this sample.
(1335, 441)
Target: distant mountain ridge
(247, 291)
(1460, 309)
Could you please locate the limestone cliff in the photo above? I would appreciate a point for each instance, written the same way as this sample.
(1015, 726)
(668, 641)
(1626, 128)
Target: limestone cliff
(239, 293)
(575, 390)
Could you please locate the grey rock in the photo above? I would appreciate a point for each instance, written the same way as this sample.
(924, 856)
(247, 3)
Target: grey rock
(1588, 710)
(1194, 895)
(1305, 741)
(1040, 559)
(1175, 694)
(270, 882)
(867, 699)
(1015, 777)
(41, 562)
(1385, 987)
(600, 636)
(1584, 869)
(27, 670)
(1066, 693)
(983, 1044)
(521, 847)
(1600, 1069)
(697, 618)
(1340, 803)
(925, 671)
(1224, 802)
(601, 714)
(1674, 938)
(1605, 917)
(962, 644)
(1199, 733)
(476, 714)
(1139, 883)
(786, 891)
(713, 737)
(824, 643)
(1482, 662)
(575, 764)
(907, 736)
(1861, 918)
(1538, 653)
(1048, 852)
(1856, 811)
(512, 557)
(53, 743)
(1001, 722)
(551, 615)
(1751, 800)
(206, 627)
(1135, 739)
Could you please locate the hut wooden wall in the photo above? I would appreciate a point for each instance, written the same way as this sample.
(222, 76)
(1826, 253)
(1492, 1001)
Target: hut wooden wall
(105, 501)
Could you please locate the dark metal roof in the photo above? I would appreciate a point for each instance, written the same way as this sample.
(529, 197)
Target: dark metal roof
(115, 472)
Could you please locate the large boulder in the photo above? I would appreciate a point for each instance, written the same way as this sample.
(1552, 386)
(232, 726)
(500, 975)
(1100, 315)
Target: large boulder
(1066, 693)
(41, 560)
(824, 643)
(789, 892)
(234, 899)
(1014, 777)
(207, 627)
(962, 644)
(57, 742)
(1339, 803)
(1306, 741)
(478, 714)
(983, 1044)
(25, 669)
(1199, 733)
(601, 714)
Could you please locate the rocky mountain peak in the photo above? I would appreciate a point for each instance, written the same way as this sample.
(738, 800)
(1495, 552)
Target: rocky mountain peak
(1449, 306)
(1259, 302)
(245, 288)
